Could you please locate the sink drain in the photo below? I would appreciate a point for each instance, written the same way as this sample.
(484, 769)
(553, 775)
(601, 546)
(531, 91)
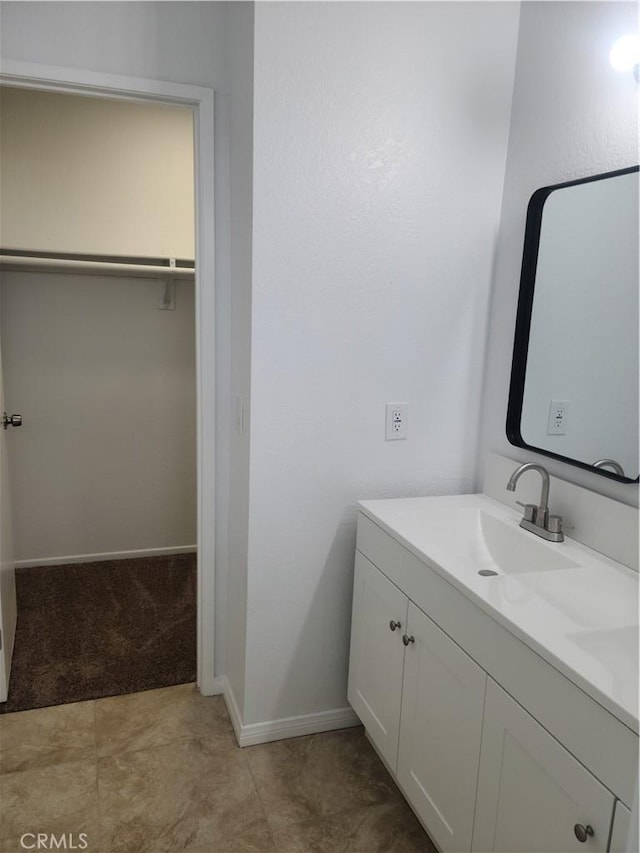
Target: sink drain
(487, 572)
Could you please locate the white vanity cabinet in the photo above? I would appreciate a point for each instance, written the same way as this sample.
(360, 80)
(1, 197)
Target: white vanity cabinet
(620, 831)
(377, 655)
(440, 731)
(532, 794)
(492, 746)
(420, 698)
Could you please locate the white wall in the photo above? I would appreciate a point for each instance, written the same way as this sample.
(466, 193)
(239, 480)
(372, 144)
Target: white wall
(572, 116)
(241, 23)
(380, 134)
(182, 42)
(105, 460)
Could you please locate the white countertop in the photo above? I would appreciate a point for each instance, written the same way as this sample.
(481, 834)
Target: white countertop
(580, 615)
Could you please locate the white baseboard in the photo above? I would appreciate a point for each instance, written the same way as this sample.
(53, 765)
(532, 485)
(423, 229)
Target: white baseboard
(215, 687)
(232, 708)
(286, 727)
(110, 555)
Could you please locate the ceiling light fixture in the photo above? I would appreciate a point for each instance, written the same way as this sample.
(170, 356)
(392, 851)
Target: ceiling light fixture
(625, 55)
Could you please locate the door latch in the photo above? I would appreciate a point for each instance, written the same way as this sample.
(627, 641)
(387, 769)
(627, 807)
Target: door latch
(11, 420)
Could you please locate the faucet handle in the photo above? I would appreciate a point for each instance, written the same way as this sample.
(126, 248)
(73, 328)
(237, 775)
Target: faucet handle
(554, 524)
(530, 511)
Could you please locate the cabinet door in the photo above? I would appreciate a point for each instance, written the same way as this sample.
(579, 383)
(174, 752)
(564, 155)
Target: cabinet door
(620, 831)
(440, 732)
(377, 652)
(532, 793)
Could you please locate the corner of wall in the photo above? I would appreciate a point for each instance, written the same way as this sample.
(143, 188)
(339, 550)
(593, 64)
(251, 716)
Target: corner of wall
(241, 50)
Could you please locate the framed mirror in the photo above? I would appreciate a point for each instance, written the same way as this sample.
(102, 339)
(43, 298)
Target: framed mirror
(574, 377)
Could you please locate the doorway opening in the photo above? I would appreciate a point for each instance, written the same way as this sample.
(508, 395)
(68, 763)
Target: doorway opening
(161, 283)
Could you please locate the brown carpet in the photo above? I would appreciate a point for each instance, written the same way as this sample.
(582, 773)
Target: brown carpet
(87, 630)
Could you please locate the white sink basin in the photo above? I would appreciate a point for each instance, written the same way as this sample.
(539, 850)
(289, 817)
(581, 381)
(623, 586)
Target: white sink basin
(476, 540)
(503, 548)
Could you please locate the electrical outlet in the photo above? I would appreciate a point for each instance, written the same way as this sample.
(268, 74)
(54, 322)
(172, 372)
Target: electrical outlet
(557, 421)
(396, 415)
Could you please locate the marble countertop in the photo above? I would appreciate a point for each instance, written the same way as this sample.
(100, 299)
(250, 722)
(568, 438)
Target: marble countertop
(573, 606)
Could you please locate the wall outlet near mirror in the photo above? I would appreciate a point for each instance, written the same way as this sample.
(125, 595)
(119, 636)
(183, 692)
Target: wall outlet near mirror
(557, 421)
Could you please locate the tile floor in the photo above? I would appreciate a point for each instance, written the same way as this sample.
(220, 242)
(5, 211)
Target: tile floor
(160, 771)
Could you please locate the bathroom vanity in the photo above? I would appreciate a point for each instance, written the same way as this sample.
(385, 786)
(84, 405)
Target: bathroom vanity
(496, 675)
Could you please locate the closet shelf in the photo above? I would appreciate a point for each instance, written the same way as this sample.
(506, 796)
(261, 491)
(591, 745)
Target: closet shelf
(13, 260)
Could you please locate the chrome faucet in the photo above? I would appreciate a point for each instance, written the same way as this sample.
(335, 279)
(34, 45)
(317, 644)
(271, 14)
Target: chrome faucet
(610, 463)
(536, 519)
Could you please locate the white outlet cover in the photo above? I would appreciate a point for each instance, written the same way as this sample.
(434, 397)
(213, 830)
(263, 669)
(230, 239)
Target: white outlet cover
(557, 420)
(396, 417)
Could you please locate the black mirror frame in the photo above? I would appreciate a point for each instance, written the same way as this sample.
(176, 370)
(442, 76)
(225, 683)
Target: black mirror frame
(523, 321)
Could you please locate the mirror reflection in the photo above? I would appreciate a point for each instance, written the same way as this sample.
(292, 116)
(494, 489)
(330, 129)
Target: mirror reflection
(574, 384)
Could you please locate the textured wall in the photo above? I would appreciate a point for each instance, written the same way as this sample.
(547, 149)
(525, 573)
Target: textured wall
(380, 135)
(572, 116)
(184, 42)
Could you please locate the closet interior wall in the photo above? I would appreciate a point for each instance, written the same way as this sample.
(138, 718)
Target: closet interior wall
(105, 462)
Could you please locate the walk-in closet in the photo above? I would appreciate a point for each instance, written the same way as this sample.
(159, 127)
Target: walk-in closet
(97, 346)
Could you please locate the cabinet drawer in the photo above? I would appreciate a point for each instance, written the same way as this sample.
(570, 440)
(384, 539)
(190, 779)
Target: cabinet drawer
(532, 793)
(376, 659)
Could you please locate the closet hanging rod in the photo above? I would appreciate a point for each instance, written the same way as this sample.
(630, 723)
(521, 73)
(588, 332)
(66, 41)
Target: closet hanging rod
(108, 264)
